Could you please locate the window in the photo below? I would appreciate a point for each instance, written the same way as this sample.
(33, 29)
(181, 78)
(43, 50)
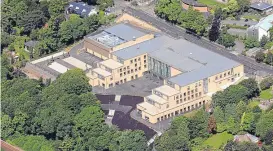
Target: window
(135, 65)
(196, 94)
(124, 68)
(225, 74)
(132, 77)
(185, 94)
(124, 73)
(144, 56)
(111, 78)
(128, 72)
(158, 119)
(220, 76)
(177, 101)
(131, 61)
(138, 59)
(189, 98)
(136, 76)
(136, 70)
(180, 95)
(196, 90)
(144, 61)
(167, 106)
(176, 97)
(181, 110)
(120, 69)
(188, 92)
(216, 78)
(199, 83)
(188, 88)
(185, 99)
(128, 67)
(139, 68)
(135, 60)
(121, 81)
(120, 74)
(110, 85)
(229, 73)
(125, 80)
(192, 91)
(145, 66)
(192, 96)
(200, 93)
(103, 85)
(181, 101)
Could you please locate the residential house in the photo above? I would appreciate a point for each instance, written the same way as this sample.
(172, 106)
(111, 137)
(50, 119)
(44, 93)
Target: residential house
(30, 47)
(81, 9)
(261, 29)
(262, 7)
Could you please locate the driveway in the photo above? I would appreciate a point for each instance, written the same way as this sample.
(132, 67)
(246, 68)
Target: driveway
(239, 22)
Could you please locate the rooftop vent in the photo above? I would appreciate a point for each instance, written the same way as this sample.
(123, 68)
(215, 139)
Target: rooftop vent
(70, 5)
(83, 4)
(77, 7)
(84, 10)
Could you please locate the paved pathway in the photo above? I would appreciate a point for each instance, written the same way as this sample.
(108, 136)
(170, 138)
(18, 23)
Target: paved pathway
(8, 147)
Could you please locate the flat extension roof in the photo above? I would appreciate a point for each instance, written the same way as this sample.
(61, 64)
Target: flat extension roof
(112, 64)
(167, 90)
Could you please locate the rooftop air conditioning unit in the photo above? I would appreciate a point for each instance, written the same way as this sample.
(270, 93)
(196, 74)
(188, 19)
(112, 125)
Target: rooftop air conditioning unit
(84, 10)
(77, 8)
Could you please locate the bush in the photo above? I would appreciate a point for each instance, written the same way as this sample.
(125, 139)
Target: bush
(266, 83)
(259, 57)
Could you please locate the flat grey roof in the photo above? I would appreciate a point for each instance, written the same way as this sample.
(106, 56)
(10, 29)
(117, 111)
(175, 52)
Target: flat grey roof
(117, 35)
(261, 6)
(212, 63)
(125, 32)
(195, 62)
(141, 48)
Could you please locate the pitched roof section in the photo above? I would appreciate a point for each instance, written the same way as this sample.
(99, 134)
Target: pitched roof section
(265, 23)
(81, 8)
(261, 6)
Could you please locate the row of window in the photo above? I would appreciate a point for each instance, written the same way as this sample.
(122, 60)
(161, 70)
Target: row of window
(222, 75)
(189, 97)
(132, 61)
(181, 111)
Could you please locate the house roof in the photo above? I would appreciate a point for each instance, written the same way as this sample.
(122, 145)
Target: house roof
(31, 43)
(81, 8)
(261, 6)
(265, 23)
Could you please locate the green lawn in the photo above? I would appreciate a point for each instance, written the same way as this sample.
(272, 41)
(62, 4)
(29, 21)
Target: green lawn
(212, 3)
(266, 94)
(218, 139)
(253, 103)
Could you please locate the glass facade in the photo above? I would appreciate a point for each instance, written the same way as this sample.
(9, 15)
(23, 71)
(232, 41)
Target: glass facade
(158, 68)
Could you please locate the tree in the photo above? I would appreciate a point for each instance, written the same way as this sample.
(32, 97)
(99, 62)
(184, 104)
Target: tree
(176, 138)
(233, 94)
(269, 58)
(103, 4)
(266, 83)
(227, 40)
(198, 124)
(259, 57)
(7, 127)
(264, 124)
(33, 143)
(232, 126)
(72, 29)
(251, 42)
(212, 124)
(168, 9)
(244, 5)
(220, 119)
(56, 7)
(268, 139)
(92, 23)
(240, 109)
(232, 7)
(193, 21)
(247, 122)
(132, 141)
(252, 87)
(263, 41)
(214, 30)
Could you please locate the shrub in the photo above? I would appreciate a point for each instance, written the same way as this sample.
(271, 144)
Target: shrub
(266, 83)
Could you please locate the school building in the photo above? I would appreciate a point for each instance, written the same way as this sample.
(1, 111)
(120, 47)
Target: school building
(191, 73)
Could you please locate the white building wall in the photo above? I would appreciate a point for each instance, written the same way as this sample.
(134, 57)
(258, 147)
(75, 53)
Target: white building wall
(262, 32)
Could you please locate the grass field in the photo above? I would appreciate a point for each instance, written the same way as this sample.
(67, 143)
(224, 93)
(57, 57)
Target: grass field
(218, 139)
(212, 3)
(266, 94)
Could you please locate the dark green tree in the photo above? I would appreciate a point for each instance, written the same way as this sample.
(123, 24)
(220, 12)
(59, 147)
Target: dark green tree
(252, 87)
(263, 41)
(259, 57)
(227, 40)
(214, 31)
